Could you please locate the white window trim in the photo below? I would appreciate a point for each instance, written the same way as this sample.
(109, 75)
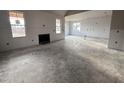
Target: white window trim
(75, 23)
(12, 25)
(59, 31)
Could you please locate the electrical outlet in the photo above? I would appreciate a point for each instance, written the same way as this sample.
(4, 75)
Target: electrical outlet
(7, 44)
(116, 42)
(44, 25)
(117, 31)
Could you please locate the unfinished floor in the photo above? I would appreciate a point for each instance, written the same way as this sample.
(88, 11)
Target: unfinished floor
(71, 60)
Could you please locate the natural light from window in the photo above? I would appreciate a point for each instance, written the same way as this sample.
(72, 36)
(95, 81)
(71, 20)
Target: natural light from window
(58, 26)
(17, 24)
(76, 26)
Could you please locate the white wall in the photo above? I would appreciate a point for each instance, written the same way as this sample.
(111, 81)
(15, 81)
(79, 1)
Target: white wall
(34, 26)
(94, 27)
(117, 24)
(66, 28)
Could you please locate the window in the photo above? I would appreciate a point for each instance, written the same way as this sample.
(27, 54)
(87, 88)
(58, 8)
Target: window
(17, 24)
(58, 26)
(76, 26)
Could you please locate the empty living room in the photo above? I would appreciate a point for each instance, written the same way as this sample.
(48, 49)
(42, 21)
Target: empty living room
(61, 46)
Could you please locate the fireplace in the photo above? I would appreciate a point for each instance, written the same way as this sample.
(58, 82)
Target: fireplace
(44, 38)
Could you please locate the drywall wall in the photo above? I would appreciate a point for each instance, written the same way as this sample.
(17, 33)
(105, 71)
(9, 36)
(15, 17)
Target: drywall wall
(66, 28)
(93, 27)
(34, 26)
(116, 40)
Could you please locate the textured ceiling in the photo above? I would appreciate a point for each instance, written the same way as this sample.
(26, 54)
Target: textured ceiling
(71, 12)
(66, 12)
(88, 14)
(60, 12)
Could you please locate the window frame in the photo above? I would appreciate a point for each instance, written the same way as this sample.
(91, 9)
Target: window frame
(17, 25)
(59, 27)
(77, 23)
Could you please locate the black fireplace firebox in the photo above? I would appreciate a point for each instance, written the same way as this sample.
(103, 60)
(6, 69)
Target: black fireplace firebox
(44, 38)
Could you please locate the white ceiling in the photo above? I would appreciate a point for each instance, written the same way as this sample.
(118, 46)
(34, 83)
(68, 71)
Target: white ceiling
(88, 14)
(58, 12)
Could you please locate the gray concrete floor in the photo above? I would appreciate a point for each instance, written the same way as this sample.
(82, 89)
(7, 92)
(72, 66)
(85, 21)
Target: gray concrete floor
(69, 60)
